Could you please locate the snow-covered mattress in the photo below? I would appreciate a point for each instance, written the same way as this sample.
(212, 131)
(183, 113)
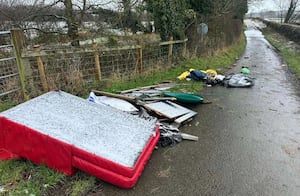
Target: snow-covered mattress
(66, 132)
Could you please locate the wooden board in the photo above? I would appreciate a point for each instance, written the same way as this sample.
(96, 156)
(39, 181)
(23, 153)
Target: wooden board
(185, 117)
(167, 84)
(168, 109)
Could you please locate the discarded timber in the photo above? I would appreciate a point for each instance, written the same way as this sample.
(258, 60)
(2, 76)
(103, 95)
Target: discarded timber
(185, 117)
(186, 136)
(132, 100)
(117, 103)
(148, 87)
(159, 99)
(171, 110)
(143, 93)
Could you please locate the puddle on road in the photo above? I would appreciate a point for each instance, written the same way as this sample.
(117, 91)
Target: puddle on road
(253, 33)
(253, 28)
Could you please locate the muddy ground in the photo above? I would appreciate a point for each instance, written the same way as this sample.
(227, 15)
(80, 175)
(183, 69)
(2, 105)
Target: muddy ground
(249, 138)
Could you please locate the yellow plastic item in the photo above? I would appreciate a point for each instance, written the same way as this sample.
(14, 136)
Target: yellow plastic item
(183, 75)
(211, 73)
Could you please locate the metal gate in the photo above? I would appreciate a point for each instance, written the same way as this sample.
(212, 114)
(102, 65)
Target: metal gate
(9, 74)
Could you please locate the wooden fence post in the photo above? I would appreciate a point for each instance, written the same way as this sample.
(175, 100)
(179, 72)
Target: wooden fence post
(97, 62)
(18, 41)
(140, 59)
(184, 48)
(37, 48)
(170, 53)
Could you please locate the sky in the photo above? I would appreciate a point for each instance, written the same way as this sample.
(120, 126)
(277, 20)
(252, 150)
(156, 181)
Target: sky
(264, 5)
(261, 5)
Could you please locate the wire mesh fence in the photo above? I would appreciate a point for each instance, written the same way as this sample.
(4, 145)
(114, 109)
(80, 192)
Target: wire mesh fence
(77, 70)
(119, 64)
(154, 57)
(9, 75)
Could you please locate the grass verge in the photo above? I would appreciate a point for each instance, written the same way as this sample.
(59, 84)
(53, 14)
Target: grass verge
(5, 106)
(222, 60)
(21, 177)
(286, 49)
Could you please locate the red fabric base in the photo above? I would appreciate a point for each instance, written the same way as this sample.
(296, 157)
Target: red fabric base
(5, 155)
(36, 147)
(114, 173)
(20, 141)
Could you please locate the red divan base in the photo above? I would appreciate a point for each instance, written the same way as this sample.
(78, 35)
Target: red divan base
(19, 141)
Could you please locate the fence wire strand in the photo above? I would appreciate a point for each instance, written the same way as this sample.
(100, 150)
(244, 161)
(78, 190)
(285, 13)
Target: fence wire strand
(9, 75)
(74, 70)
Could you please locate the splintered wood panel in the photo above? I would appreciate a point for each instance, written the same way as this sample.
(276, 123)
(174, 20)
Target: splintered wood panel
(185, 117)
(167, 109)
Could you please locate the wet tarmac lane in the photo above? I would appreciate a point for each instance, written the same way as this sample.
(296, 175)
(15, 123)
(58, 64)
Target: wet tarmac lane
(249, 138)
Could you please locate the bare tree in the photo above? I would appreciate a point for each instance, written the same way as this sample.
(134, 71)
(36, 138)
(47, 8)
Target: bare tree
(73, 22)
(128, 14)
(290, 15)
(287, 8)
(72, 25)
(235, 8)
(15, 12)
(18, 13)
(282, 6)
(222, 7)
